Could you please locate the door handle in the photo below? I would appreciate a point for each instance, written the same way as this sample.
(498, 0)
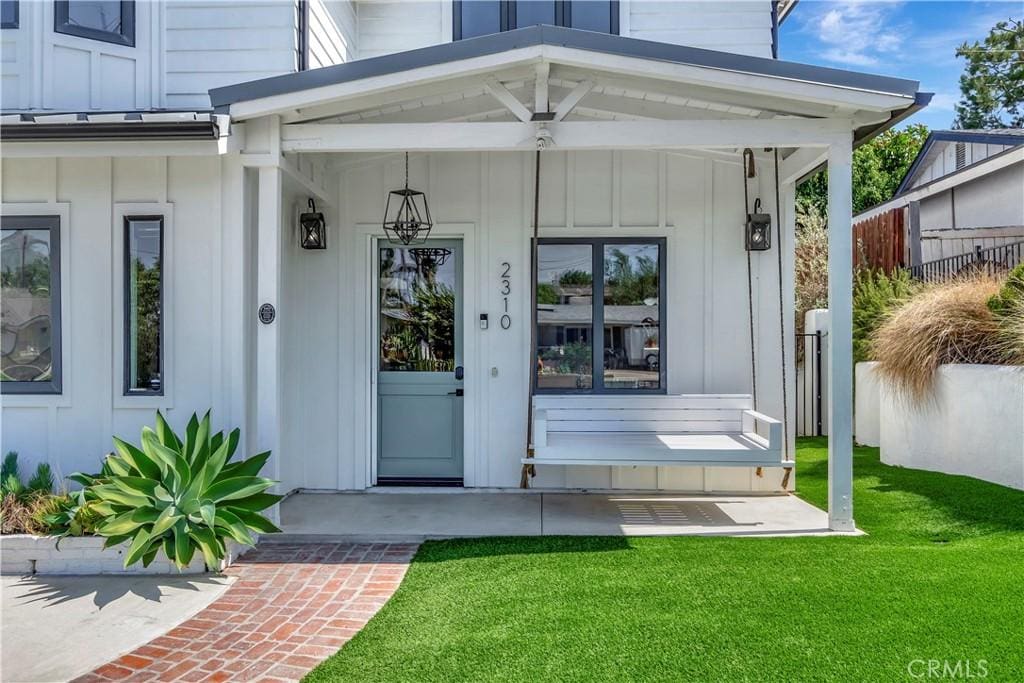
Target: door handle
(460, 372)
(457, 392)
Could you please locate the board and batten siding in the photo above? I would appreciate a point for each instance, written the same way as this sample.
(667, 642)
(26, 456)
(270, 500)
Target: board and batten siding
(944, 162)
(46, 70)
(694, 201)
(214, 43)
(203, 309)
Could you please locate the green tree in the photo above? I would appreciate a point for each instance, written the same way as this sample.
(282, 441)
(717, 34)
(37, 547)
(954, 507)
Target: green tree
(992, 84)
(878, 168)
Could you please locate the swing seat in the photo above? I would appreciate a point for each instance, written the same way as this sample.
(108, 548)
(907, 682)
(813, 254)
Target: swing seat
(691, 430)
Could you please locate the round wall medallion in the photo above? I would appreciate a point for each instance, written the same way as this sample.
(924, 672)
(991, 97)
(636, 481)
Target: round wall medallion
(267, 314)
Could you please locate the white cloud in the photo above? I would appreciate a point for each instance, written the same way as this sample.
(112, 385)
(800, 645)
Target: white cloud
(942, 101)
(855, 32)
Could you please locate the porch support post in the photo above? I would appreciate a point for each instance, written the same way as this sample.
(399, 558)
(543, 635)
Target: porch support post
(268, 290)
(840, 338)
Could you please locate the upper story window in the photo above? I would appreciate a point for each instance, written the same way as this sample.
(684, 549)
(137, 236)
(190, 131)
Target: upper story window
(474, 18)
(9, 13)
(30, 305)
(110, 21)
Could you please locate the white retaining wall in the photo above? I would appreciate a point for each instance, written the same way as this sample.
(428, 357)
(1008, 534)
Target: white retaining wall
(22, 554)
(866, 409)
(973, 425)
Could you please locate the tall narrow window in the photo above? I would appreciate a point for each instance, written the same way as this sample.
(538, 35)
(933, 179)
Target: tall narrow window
(144, 329)
(605, 333)
(30, 305)
(109, 21)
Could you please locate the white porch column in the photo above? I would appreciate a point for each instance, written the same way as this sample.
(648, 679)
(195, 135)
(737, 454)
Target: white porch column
(268, 291)
(840, 342)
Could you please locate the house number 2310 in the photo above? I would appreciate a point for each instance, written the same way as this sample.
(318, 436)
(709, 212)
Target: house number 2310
(506, 289)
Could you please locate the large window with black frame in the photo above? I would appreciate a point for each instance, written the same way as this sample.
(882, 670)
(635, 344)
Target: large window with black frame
(30, 305)
(600, 334)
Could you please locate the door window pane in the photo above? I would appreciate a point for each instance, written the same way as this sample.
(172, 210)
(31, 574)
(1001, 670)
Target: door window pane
(478, 17)
(144, 305)
(417, 309)
(565, 305)
(591, 15)
(30, 305)
(532, 12)
(631, 317)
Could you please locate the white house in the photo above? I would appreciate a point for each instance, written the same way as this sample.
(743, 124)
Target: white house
(963, 192)
(157, 158)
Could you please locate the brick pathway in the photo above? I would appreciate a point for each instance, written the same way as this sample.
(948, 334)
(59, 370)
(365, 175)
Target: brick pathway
(291, 607)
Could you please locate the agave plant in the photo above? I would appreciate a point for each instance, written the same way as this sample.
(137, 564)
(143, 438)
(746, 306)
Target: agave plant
(176, 495)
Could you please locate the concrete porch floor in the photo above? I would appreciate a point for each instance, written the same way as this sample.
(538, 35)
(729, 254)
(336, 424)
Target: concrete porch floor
(414, 515)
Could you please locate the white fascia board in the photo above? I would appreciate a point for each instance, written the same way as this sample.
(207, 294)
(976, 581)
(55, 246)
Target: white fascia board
(115, 148)
(574, 135)
(966, 175)
(288, 102)
(774, 86)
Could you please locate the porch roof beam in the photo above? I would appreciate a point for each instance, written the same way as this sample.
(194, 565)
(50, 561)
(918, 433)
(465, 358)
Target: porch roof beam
(568, 135)
(502, 94)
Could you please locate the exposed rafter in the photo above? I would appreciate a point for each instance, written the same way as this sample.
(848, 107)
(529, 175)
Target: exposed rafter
(502, 94)
(572, 99)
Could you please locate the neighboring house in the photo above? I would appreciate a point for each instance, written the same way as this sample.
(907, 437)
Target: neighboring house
(964, 192)
(168, 156)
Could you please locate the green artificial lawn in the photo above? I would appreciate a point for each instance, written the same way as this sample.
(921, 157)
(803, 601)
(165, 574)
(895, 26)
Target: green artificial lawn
(940, 576)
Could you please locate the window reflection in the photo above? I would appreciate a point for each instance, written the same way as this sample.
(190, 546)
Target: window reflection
(565, 297)
(144, 311)
(26, 306)
(417, 310)
(632, 350)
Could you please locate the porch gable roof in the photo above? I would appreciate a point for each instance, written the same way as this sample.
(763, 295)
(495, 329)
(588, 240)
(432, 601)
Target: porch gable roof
(526, 45)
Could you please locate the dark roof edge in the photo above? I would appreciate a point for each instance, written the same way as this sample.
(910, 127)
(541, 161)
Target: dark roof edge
(157, 130)
(554, 36)
(954, 136)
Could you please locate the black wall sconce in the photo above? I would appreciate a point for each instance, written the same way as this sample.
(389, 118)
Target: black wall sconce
(313, 229)
(759, 229)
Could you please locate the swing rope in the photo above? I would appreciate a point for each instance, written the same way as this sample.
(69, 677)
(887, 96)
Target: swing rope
(750, 171)
(530, 470)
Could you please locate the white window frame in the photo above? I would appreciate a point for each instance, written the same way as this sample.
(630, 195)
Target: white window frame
(144, 401)
(63, 211)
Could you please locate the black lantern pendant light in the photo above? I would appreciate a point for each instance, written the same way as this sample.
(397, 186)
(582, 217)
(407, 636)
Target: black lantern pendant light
(759, 229)
(406, 215)
(313, 228)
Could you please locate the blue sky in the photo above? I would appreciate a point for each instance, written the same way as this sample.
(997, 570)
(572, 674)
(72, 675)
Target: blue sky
(915, 39)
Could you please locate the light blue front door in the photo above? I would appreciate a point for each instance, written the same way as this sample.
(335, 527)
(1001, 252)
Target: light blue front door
(419, 375)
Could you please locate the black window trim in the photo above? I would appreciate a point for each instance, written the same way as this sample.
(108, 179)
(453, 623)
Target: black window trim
(127, 388)
(16, 21)
(303, 37)
(126, 36)
(563, 16)
(597, 245)
(55, 385)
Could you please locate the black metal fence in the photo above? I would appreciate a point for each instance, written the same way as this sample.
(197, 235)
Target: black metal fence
(809, 386)
(991, 261)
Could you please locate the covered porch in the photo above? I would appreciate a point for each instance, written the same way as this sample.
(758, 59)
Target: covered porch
(639, 144)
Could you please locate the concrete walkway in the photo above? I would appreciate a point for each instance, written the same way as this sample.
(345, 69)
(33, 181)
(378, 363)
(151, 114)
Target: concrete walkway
(57, 627)
(417, 515)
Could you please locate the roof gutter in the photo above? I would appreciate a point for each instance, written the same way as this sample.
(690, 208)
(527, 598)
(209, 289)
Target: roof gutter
(130, 130)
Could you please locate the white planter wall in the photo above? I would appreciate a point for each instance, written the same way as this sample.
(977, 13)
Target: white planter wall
(974, 424)
(866, 407)
(22, 554)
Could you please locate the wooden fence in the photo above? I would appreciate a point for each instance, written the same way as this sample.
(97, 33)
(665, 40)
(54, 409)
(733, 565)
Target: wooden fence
(880, 243)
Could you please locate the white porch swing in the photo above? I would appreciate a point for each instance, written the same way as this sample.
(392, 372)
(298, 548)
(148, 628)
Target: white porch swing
(698, 430)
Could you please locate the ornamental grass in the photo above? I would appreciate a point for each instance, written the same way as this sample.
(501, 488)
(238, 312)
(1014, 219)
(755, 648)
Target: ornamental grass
(943, 323)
